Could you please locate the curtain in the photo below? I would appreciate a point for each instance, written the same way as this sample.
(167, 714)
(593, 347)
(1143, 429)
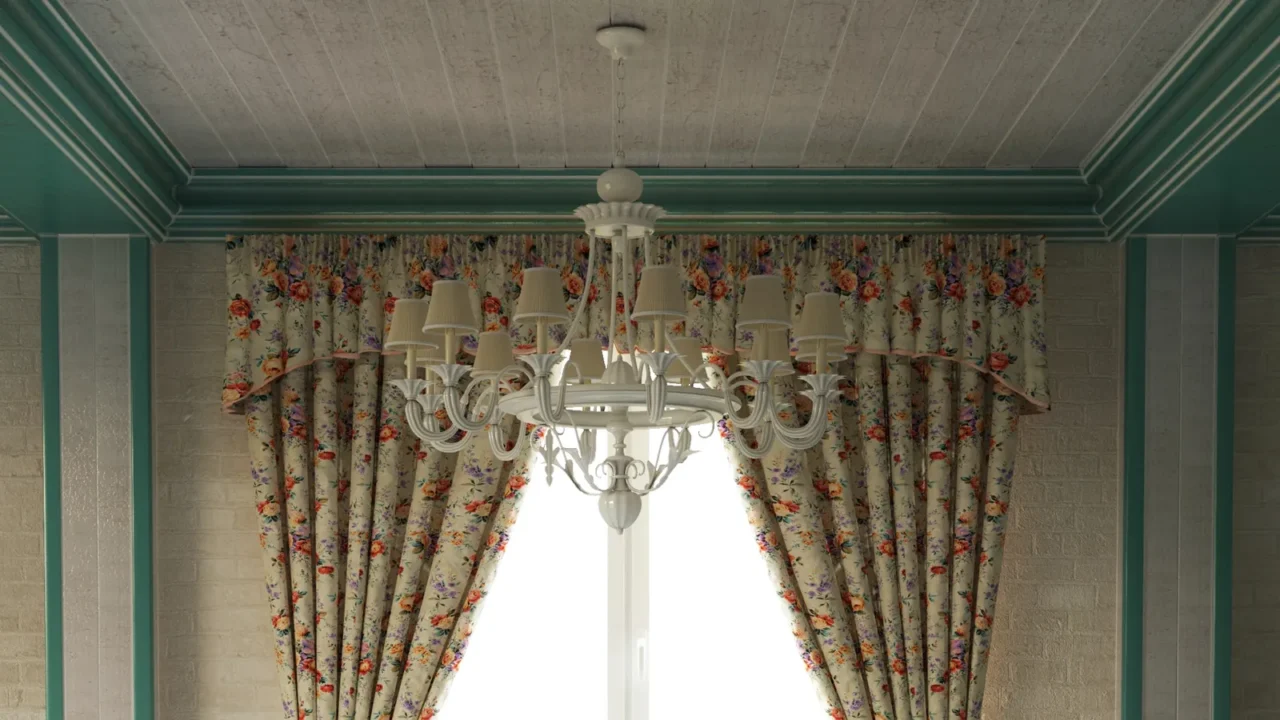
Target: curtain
(885, 540)
(377, 551)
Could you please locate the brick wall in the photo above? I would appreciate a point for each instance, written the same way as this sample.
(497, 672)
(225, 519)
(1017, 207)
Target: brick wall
(21, 488)
(216, 658)
(1255, 686)
(1055, 646)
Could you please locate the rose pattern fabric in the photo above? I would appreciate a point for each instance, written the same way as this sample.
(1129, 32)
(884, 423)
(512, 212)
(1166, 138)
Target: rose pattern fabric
(294, 300)
(885, 541)
(377, 551)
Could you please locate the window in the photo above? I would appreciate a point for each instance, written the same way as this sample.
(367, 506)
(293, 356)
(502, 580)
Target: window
(676, 619)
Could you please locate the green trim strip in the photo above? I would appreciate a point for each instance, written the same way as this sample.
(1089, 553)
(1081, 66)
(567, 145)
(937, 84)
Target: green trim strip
(51, 385)
(144, 671)
(1224, 479)
(1135, 431)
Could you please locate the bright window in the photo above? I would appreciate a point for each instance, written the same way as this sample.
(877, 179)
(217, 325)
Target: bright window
(676, 619)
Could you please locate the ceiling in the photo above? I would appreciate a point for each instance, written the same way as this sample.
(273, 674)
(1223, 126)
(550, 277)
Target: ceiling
(720, 83)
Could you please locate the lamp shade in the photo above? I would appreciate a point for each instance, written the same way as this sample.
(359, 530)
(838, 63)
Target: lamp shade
(406, 325)
(808, 351)
(451, 308)
(493, 354)
(661, 295)
(690, 352)
(821, 318)
(763, 304)
(589, 358)
(541, 296)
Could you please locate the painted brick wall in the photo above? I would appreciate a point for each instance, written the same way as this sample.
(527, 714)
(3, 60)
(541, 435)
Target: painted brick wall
(1255, 686)
(216, 657)
(1054, 654)
(21, 488)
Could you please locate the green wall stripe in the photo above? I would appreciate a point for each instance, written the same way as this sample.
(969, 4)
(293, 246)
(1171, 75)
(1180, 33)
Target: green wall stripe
(143, 503)
(51, 387)
(1224, 479)
(1135, 362)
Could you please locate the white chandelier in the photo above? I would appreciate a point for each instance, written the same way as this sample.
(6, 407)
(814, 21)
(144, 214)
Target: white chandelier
(668, 386)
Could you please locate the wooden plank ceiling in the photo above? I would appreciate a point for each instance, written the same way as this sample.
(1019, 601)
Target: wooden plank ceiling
(720, 83)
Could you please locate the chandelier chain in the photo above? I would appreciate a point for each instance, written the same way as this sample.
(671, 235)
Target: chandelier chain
(620, 76)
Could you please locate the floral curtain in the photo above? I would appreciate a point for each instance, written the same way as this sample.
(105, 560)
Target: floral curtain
(885, 540)
(377, 552)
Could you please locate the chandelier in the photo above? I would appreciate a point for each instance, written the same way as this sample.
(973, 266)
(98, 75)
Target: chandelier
(668, 386)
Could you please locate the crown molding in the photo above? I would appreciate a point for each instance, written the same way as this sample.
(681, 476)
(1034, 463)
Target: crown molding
(1056, 203)
(1221, 81)
(55, 78)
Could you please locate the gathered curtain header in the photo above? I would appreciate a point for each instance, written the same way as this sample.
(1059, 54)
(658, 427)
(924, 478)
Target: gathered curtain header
(973, 299)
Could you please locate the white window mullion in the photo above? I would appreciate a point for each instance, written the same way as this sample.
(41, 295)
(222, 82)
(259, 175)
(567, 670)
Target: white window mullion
(629, 611)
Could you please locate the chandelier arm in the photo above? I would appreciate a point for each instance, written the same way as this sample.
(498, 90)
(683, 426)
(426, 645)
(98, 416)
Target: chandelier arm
(764, 438)
(420, 422)
(457, 412)
(816, 424)
(657, 399)
(629, 288)
(580, 311)
(693, 371)
(499, 443)
(678, 442)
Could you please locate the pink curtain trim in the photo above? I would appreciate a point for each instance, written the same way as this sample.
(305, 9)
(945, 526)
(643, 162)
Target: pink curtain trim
(1034, 405)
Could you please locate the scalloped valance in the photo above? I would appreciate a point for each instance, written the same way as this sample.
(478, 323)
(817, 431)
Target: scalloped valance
(974, 299)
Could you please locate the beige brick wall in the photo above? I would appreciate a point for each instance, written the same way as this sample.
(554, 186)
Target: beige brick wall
(1255, 686)
(21, 488)
(216, 658)
(1054, 653)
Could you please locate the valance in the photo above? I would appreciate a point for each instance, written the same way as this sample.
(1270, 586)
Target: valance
(972, 299)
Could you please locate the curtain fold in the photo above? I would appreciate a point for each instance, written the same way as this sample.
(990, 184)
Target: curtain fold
(377, 551)
(885, 541)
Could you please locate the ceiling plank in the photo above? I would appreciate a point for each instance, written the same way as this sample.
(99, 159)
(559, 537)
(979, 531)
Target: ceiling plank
(1100, 41)
(241, 51)
(872, 36)
(174, 33)
(926, 45)
(121, 41)
(466, 41)
(814, 34)
(696, 48)
(756, 32)
(974, 62)
(418, 68)
(586, 102)
(1042, 42)
(350, 35)
(1164, 32)
(645, 75)
(526, 56)
(297, 50)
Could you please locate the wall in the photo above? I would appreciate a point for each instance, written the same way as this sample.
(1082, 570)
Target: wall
(21, 488)
(1255, 686)
(1055, 650)
(216, 657)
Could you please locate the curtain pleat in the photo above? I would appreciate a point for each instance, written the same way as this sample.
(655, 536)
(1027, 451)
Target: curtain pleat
(377, 551)
(885, 540)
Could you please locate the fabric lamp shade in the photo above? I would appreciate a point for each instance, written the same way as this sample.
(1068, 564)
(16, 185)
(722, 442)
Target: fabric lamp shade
(821, 318)
(774, 345)
(406, 325)
(764, 305)
(589, 358)
(661, 295)
(808, 351)
(541, 296)
(451, 308)
(690, 352)
(493, 354)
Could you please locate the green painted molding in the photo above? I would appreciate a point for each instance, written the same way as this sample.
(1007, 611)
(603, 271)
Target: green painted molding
(1224, 479)
(53, 75)
(1134, 484)
(1265, 229)
(1222, 81)
(13, 231)
(51, 385)
(143, 532)
(1055, 202)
